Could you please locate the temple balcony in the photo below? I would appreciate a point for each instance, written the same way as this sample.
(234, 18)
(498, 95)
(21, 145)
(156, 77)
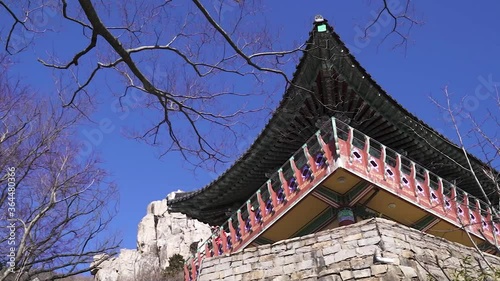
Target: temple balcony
(339, 176)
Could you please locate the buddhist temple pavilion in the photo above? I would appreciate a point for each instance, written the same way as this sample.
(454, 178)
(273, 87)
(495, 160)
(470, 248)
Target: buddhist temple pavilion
(339, 149)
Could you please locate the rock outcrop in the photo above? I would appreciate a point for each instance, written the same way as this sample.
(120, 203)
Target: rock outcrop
(160, 235)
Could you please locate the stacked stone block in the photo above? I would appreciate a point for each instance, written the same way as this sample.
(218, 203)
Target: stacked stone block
(374, 249)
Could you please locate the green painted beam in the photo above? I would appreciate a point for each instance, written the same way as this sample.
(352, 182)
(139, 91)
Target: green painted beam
(356, 190)
(330, 194)
(425, 221)
(318, 222)
(262, 241)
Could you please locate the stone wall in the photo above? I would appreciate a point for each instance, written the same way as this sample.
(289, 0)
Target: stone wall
(160, 235)
(374, 249)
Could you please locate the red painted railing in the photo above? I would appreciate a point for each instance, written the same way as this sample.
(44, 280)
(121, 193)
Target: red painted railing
(339, 145)
(405, 178)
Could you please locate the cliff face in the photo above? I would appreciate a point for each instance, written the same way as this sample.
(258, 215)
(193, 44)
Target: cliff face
(374, 249)
(160, 235)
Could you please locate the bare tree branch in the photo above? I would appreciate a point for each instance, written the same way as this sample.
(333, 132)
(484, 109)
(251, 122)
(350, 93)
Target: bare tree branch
(57, 205)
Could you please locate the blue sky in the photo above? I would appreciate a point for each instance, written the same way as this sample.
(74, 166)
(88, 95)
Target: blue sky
(457, 46)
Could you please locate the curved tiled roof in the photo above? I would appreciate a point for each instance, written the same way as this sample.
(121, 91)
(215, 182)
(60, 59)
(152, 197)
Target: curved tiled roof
(336, 85)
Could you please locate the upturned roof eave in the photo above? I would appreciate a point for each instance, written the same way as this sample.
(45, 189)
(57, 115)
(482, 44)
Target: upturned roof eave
(190, 203)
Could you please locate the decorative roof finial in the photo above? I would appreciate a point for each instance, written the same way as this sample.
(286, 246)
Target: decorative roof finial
(320, 23)
(318, 19)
